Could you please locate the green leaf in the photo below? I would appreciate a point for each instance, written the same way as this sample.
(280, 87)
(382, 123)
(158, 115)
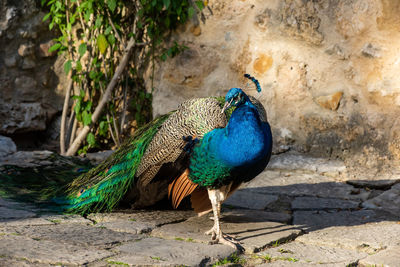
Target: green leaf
(92, 74)
(191, 12)
(167, 3)
(112, 4)
(91, 139)
(98, 21)
(67, 66)
(111, 39)
(72, 20)
(87, 15)
(77, 107)
(82, 49)
(103, 127)
(89, 106)
(69, 27)
(78, 66)
(87, 118)
(200, 4)
(164, 57)
(54, 47)
(46, 17)
(102, 43)
(108, 30)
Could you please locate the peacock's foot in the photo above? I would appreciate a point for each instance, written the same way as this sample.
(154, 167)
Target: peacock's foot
(225, 240)
(220, 238)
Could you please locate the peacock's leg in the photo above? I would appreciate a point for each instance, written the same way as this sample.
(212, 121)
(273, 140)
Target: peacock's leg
(216, 198)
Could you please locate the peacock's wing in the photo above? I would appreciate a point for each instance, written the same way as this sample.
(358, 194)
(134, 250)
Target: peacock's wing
(142, 157)
(194, 118)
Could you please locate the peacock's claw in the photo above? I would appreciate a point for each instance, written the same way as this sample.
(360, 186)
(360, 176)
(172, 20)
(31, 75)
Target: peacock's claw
(220, 238)
(223, 239)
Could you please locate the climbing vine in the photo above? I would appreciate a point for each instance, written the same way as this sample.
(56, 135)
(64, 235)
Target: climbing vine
(109, 46)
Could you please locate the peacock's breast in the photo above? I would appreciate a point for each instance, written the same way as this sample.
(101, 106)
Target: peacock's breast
(244, 147)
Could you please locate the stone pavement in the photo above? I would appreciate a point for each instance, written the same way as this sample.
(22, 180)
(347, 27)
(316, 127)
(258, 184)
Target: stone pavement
(301, 211)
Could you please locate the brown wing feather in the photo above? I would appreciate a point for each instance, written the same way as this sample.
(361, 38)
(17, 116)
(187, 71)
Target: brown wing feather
(180, 188)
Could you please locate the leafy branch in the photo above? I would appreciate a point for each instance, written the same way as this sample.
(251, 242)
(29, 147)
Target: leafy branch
(108, 46)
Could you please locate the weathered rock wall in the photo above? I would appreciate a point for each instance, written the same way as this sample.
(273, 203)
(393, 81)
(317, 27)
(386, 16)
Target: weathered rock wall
(328, 69)
(30, 86)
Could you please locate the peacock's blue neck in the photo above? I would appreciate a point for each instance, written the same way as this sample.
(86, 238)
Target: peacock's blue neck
(245, 138)
(241, 149)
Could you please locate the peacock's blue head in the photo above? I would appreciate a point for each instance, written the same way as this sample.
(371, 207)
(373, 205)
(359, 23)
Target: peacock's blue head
(234, 97)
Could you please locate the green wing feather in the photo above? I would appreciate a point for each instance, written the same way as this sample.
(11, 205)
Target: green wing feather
(104, 186)
(221, 102)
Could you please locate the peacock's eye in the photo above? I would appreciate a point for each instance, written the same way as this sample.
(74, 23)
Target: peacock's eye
(237, 98)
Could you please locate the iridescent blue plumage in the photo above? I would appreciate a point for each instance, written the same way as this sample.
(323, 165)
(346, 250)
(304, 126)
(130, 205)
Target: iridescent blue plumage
(228, 156)
(239, 151)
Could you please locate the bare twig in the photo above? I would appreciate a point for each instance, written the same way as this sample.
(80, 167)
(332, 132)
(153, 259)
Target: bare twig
(116, 130)
(73, 132)
(110, 129)
(105, 98)
(64, 115)
(114, 29)
(124, 105)
(80, 17)
(70, 125)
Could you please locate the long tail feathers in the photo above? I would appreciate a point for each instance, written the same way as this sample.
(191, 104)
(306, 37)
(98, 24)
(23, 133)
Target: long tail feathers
(104, 186)
(68, 190)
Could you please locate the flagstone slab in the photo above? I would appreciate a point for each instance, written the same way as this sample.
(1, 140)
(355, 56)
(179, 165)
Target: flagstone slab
(76, 234)
(159, 252)
(48, 252)
(155, 217)
(250, 200)
(251, 227)
(317, 203)
(311, 254)
(66, 218)
(369, 237)
(388, 201)
(127, 226)
(301, 162)
(24, 222)
(21, 263)
(294, 184)
(388, 257)
(314, 220)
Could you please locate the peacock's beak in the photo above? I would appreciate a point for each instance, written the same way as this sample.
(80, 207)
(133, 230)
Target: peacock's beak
(226, 106)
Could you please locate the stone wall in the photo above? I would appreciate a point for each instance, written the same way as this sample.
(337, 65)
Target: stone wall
(328, 69)
(30, 85)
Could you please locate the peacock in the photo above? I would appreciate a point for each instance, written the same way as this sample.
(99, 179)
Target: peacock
(205, 149)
